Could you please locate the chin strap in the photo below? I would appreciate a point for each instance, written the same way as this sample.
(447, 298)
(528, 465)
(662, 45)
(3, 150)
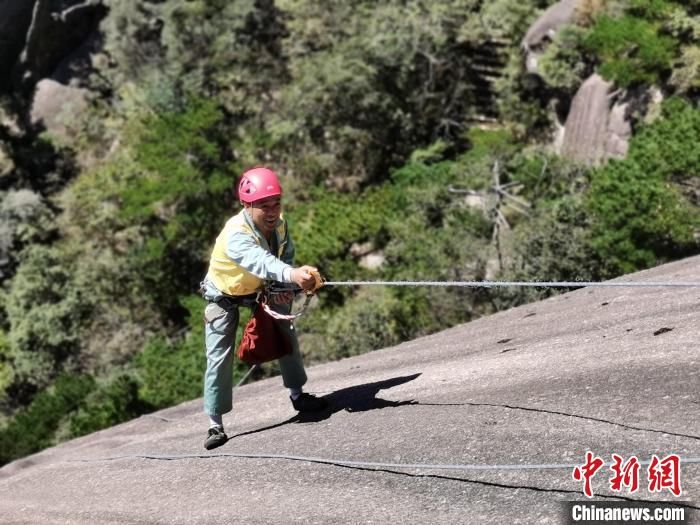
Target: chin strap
(271, 291)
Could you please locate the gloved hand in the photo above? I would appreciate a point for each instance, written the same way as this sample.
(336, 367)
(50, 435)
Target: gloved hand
(303, 278)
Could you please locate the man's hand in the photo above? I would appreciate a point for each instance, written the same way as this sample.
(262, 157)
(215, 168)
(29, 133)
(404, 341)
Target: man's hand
(303, 278)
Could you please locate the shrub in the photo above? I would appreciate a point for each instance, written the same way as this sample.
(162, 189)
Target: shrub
(6, 371)
(325, 228)
(686, 70)
(563, 65)
(45, 309)
(554, 244)
(24, 219)
(112, 402)
(424, 232)
(639, 216)
(368, 321)
(631, 50)
(178, 200)
(171, 371)
(33, 428)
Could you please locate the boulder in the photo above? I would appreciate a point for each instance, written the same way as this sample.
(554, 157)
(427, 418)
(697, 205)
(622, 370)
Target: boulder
(594, 131)
(619, 131)
(544, 28)
(56, 105)
(372, 261)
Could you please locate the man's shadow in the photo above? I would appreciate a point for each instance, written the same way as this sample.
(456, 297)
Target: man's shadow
(359, 398)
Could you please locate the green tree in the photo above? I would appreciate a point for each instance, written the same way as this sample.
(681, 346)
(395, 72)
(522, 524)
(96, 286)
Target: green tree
(374, 84)
(640, 217)
(6, 371)
(563, 64)
(171, 371)
(25, 219)
(110, 403)
(172, 49)
(45, 309)
(33, 428)
(178, 198)
(632, 50)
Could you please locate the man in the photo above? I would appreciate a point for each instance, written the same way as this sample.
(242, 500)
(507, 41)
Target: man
(253, 247)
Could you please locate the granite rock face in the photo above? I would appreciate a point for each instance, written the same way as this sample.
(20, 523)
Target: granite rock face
(586, 124)
(45, 48)
(597, 128)
(14, 25)
(57, 30)
(539, 384)
(545, 28)
(55, 105)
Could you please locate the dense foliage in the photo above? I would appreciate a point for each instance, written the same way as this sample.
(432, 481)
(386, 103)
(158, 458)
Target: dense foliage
(373, 113)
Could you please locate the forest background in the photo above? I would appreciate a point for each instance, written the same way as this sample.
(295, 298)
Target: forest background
(394, 149)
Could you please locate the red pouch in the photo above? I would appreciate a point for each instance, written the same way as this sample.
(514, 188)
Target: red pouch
(263, 340)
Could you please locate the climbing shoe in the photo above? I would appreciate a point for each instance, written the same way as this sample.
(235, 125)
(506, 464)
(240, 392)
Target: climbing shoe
(215, 438)
(308, 403)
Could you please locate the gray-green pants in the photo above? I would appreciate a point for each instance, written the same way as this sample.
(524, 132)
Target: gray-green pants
(220, 336)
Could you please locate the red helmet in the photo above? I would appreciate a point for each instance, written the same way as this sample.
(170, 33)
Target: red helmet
(258, 183)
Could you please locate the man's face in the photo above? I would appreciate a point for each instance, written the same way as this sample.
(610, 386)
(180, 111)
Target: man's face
(265, 213)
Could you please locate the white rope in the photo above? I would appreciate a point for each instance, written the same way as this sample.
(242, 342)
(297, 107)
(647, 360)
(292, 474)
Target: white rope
(536, 284)
(287, 317)
(364, 464)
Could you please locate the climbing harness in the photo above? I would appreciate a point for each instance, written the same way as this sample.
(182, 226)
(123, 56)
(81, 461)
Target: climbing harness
(271, 291)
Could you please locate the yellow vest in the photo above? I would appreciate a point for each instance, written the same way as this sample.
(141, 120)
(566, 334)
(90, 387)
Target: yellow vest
(226, 274)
